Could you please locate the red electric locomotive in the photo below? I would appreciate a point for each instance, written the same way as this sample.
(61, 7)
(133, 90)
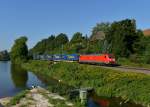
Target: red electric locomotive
(97, 59)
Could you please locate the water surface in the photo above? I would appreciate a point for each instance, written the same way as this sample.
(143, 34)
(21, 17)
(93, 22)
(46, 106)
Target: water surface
(14, 79)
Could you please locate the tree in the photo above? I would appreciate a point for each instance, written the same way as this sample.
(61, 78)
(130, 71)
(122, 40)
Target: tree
(121, 37)
(77, 38)
(98, 44)
(19, 76)
(50, 43)
(40, 47)
(100, 30)
(144, 50)
(44, 45)
(104, 26)
(147, 54)
(19, 51)
(61, 39)
(4, 55)
(139, 45)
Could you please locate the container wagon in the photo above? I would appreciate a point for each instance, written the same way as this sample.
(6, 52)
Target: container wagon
(71, 57)
(57, 57)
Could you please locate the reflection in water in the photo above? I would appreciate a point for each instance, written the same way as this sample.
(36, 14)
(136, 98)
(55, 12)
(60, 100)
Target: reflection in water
(103, 102)
(19, 76)
(14, 79)
(91, 103)
(113, 102)
(97, 101)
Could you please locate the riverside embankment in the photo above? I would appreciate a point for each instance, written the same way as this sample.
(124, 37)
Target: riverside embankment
(130, 86)
(36, 97)
(15, 83)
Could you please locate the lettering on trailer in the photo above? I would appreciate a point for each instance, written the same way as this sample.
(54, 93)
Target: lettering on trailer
(56, 56)
(71, 57)
(49, 56)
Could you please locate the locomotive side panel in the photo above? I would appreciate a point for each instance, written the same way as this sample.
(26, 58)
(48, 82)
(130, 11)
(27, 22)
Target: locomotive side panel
(103, 58)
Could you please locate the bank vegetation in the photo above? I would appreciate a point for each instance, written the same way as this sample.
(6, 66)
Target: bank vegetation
(109, 83)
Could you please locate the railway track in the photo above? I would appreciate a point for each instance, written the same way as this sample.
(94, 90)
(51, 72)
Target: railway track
(126, 68)
(129, 69)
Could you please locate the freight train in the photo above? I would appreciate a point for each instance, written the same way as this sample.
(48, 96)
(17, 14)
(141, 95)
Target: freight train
(91, 59)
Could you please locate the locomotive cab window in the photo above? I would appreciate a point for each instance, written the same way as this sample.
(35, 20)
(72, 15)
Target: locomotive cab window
(111, 56)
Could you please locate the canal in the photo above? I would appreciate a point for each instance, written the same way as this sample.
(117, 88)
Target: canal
(14, 79)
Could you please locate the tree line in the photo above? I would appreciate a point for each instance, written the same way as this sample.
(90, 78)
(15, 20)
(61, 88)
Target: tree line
(121, 38)
(4, 56)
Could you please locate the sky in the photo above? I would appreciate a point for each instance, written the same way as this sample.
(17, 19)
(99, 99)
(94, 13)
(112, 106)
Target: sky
(38, 19)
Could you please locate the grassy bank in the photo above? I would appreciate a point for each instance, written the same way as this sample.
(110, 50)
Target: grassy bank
(128, 63)
(109, 83)
(38, 97)
(17, 98)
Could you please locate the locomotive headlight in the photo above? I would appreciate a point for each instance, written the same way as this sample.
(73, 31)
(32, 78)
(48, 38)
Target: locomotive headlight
(113, 59)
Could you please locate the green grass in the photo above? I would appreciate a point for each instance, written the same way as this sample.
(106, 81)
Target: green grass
(127, 62)
(109, 83)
